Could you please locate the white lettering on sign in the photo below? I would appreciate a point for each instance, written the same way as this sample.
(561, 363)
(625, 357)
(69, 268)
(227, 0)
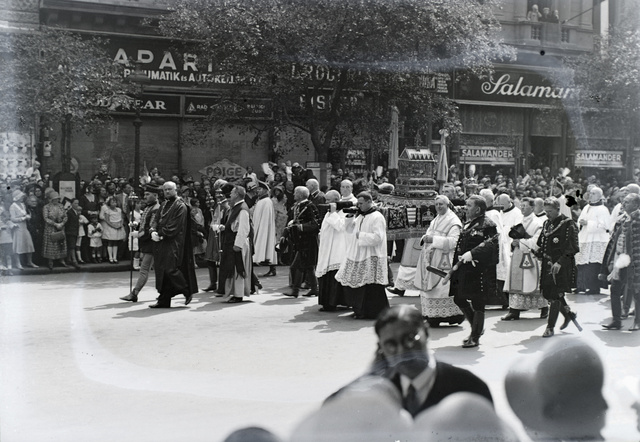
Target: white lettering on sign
(494, 155)
(599, 158)
(503, 87)
(167, 62)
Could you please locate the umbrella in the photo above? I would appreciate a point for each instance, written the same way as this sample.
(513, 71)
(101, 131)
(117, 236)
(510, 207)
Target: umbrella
(443, 168)
(393, 139)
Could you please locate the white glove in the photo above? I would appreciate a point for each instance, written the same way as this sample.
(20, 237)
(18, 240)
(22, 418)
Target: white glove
(467, 258)
(155, 237)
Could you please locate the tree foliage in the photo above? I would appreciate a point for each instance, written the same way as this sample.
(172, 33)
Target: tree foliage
(355, 56)
(57, 76)
(609, 77)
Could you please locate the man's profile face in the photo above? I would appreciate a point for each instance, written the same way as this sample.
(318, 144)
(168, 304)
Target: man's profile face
(298, 196)
(527, 209)
(551, 211)
(404, 347)
(364, 205)
(629, 204)
(471, 209)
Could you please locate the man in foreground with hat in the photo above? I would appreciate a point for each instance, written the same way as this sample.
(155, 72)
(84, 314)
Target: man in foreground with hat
(175, 272)
(148, 221)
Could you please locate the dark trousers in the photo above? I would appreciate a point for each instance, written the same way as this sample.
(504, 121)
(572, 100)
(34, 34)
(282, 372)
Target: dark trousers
(301, 274)
(477, 303)
(617, 291)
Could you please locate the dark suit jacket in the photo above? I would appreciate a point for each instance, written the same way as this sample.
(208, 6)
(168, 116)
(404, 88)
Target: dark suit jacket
(72, 227)
(449, 380)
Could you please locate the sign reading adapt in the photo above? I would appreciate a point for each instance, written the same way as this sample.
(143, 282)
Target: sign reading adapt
(600, 158)
(487, 155)
(224, 169)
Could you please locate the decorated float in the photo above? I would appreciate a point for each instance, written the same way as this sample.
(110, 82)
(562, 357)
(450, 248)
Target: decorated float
(410, 207)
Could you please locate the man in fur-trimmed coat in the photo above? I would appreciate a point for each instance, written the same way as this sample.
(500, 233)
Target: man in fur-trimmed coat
(620, 265)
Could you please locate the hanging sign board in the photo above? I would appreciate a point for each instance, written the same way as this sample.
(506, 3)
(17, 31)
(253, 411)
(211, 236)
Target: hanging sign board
(224, 169)
(611, 159)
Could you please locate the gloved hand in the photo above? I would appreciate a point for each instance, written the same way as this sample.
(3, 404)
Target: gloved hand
(467, 258)
(155, 237)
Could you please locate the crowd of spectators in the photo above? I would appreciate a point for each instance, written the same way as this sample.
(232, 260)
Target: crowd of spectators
(105, 212)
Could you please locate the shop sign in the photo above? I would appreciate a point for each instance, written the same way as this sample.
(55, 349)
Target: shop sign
(514, 87)
(600, 158)
(224, 169)
(487, 155)
(251, 108)
(166, 65)
(149, 104)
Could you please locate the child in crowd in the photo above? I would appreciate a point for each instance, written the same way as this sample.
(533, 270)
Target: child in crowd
(94, 231)
(133, 240)
(6, 240)
(83, 221)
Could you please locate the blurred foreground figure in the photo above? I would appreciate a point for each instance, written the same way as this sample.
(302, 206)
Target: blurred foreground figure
(368, 410)
(404, 359)
(252, 434)
(558, 394)
(443, 422)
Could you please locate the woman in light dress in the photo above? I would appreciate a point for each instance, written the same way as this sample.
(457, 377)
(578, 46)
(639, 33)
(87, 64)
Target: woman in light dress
(22, 241)
(439, 243)
(112, 227)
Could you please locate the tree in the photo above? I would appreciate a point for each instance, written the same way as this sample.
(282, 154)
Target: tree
(609, 83)
(58, 77)
(334, 67)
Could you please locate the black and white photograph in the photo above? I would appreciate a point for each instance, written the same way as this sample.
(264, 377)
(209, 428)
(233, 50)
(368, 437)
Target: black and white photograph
(319, 220)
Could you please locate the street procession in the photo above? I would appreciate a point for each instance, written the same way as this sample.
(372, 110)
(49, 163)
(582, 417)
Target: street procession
(320, 221)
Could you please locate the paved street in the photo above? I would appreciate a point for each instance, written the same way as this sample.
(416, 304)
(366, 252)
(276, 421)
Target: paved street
(78, 364)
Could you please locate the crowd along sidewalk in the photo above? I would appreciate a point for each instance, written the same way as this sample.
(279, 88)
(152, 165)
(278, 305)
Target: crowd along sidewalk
(57, 268)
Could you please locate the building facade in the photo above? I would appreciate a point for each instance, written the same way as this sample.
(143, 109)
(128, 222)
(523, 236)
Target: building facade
(525, 116)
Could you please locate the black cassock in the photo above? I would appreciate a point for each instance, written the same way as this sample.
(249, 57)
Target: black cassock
(173, 256)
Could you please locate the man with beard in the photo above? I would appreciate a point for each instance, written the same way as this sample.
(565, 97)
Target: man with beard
(404, 358)
(175, 273)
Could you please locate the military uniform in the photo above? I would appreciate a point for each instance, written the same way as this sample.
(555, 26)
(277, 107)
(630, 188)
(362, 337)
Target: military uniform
(558, 244)
(475, 283)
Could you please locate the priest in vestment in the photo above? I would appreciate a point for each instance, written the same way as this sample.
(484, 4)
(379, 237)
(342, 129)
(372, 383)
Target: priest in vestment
(264, 235)
(331, 253)
(175, 270)
(523, 280)
(364, 273)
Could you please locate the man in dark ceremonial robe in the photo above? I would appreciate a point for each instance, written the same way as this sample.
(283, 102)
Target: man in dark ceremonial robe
(236, 264)
(175, 271)
(476, 256)
(303, 233)
(557, 247)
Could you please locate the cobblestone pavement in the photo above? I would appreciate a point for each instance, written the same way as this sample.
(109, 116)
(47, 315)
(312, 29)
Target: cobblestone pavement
(78, 364)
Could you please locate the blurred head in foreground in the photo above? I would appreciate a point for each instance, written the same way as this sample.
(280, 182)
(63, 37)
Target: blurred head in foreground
(558, 393)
